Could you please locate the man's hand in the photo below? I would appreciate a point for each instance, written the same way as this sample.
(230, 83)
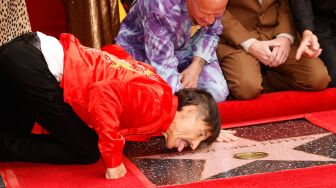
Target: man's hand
(309, 46)
(280, 52)
(189, 77)
(262, 51)
(226, 136)
(115, 173)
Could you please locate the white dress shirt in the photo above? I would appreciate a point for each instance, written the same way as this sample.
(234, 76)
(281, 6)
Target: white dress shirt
(53, 53)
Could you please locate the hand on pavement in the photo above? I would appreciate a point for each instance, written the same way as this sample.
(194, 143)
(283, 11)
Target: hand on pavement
(227, 136)
(115, 173)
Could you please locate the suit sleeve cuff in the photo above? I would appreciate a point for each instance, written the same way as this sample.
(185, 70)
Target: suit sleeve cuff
(248, 43)
(286, 35)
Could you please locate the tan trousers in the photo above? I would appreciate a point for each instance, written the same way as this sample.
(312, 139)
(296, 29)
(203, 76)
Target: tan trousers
(243, 73)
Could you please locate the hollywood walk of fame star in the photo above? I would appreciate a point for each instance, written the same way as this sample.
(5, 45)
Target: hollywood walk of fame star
(219, 157)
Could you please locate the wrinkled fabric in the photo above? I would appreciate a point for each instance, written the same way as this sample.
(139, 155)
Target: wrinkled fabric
(94, 22)
(121, 100)
(158, 32)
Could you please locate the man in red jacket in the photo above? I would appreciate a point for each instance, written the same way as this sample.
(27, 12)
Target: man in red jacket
(90, 102)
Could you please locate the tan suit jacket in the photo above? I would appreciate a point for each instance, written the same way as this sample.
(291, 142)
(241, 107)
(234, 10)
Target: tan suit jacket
(245, 19)
(245, 75)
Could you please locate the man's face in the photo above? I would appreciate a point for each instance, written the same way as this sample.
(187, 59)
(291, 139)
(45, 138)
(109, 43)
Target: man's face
(205, 11)
(186, 130)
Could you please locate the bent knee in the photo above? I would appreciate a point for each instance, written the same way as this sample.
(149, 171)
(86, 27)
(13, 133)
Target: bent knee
(90, 158)
(215, 85)
(244, 90)
(318, 80)
(332, 75)
(315, 76)
(219, 92)
(220, 96)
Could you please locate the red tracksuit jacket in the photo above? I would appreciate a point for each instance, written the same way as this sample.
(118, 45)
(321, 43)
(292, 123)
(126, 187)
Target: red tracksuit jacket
(121, 100)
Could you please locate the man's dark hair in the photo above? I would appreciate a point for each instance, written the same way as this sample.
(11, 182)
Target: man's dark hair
(207, 108)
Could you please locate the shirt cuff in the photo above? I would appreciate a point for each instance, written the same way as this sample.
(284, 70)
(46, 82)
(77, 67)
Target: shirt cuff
(286, 35)
(206, 58)
(112, 162)
(248, 43)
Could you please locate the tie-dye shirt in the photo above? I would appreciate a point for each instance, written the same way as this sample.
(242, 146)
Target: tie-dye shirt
(158, 32)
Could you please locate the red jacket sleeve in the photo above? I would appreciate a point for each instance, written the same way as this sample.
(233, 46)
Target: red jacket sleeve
(105, 108)
(109, 100)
